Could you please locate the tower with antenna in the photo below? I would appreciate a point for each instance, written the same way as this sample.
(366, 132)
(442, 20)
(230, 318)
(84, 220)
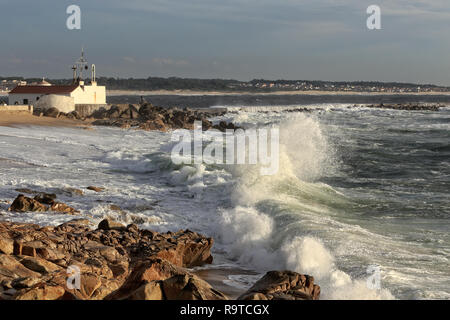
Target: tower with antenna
(80, 65)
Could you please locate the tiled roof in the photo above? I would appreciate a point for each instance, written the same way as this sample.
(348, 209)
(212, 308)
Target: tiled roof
(43, 89)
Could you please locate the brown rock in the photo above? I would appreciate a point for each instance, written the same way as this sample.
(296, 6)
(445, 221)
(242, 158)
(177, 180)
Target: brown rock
(45, 198)
(148, 291)
(39, 265)
(25, 204)
(286, 285)
(109, 224)
(41, 292)
(6, 245)
(158, 279)
(63, 208)
(73, 191)
(11, 268)
(96, 189)
(190, 287)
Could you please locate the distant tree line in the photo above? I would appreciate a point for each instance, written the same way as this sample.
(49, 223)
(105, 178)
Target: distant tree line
(175, 83)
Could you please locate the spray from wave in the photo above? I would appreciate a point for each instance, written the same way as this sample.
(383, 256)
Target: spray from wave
(270, 224)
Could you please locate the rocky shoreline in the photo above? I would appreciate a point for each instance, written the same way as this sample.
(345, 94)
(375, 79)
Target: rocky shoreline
(149, 117)
(145, 117)
(111, 261)
(409, 107)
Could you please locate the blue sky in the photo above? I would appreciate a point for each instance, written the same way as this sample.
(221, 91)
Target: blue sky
(240, 39)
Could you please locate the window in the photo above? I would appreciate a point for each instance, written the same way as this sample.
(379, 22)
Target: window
(25, 101)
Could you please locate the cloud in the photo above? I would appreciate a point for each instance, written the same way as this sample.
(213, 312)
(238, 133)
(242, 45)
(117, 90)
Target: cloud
(169, 62)
(129, 59)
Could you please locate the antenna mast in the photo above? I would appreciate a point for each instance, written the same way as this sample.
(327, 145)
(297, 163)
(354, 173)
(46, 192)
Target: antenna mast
(81, 64)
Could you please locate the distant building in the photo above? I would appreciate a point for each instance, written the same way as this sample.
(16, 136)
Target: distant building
(65, 98)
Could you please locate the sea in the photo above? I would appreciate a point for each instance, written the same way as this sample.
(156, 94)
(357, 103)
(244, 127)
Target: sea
(361, 200)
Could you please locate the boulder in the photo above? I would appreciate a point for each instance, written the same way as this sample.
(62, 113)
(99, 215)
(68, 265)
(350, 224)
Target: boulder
(63, 208)
(96, 189)
(45, 198)
(286, 285)
(25, 204)
(148, 291)
(6, 245)
(130, 113)
(39, 265)
(189, 287)
(51, 112)
(41, 292)
(73, 191)
(158, 279)
(109, 224)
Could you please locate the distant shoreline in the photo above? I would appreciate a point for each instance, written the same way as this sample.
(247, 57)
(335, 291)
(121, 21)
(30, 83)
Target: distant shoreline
(228, 93)
(113, 93)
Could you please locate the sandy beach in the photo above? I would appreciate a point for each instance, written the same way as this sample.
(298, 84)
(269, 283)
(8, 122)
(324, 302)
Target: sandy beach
(24, 119)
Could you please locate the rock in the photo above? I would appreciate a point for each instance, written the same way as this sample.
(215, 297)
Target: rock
(26, 190)
(51, 112)
(63, 208)
(148, 291)
(189, 287)
(41, 292)
(286, 285)
(109, 224)
(23, 283)
(74, 115)
(96, 189)
(73, 191)
(6, 245)
(39, 265)
(45, 198)
(11, 268)
(115, 262)
(113, 207)
(113, 112)
(157, 279)
(25, 204)
(130, 113)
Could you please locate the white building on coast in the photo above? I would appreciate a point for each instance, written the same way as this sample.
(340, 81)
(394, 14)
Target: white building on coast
(79, 95)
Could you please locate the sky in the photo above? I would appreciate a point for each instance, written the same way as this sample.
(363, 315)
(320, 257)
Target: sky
(230, 39)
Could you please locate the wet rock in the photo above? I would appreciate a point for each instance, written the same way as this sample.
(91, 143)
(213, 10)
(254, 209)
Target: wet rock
(63, 208)
(45, 198)
(26, 190)
(96, 189)
(25, 204)
(286, 285)
(73, 191)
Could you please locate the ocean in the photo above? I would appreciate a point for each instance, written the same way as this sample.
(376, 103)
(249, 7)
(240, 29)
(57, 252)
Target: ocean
(356, 189)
